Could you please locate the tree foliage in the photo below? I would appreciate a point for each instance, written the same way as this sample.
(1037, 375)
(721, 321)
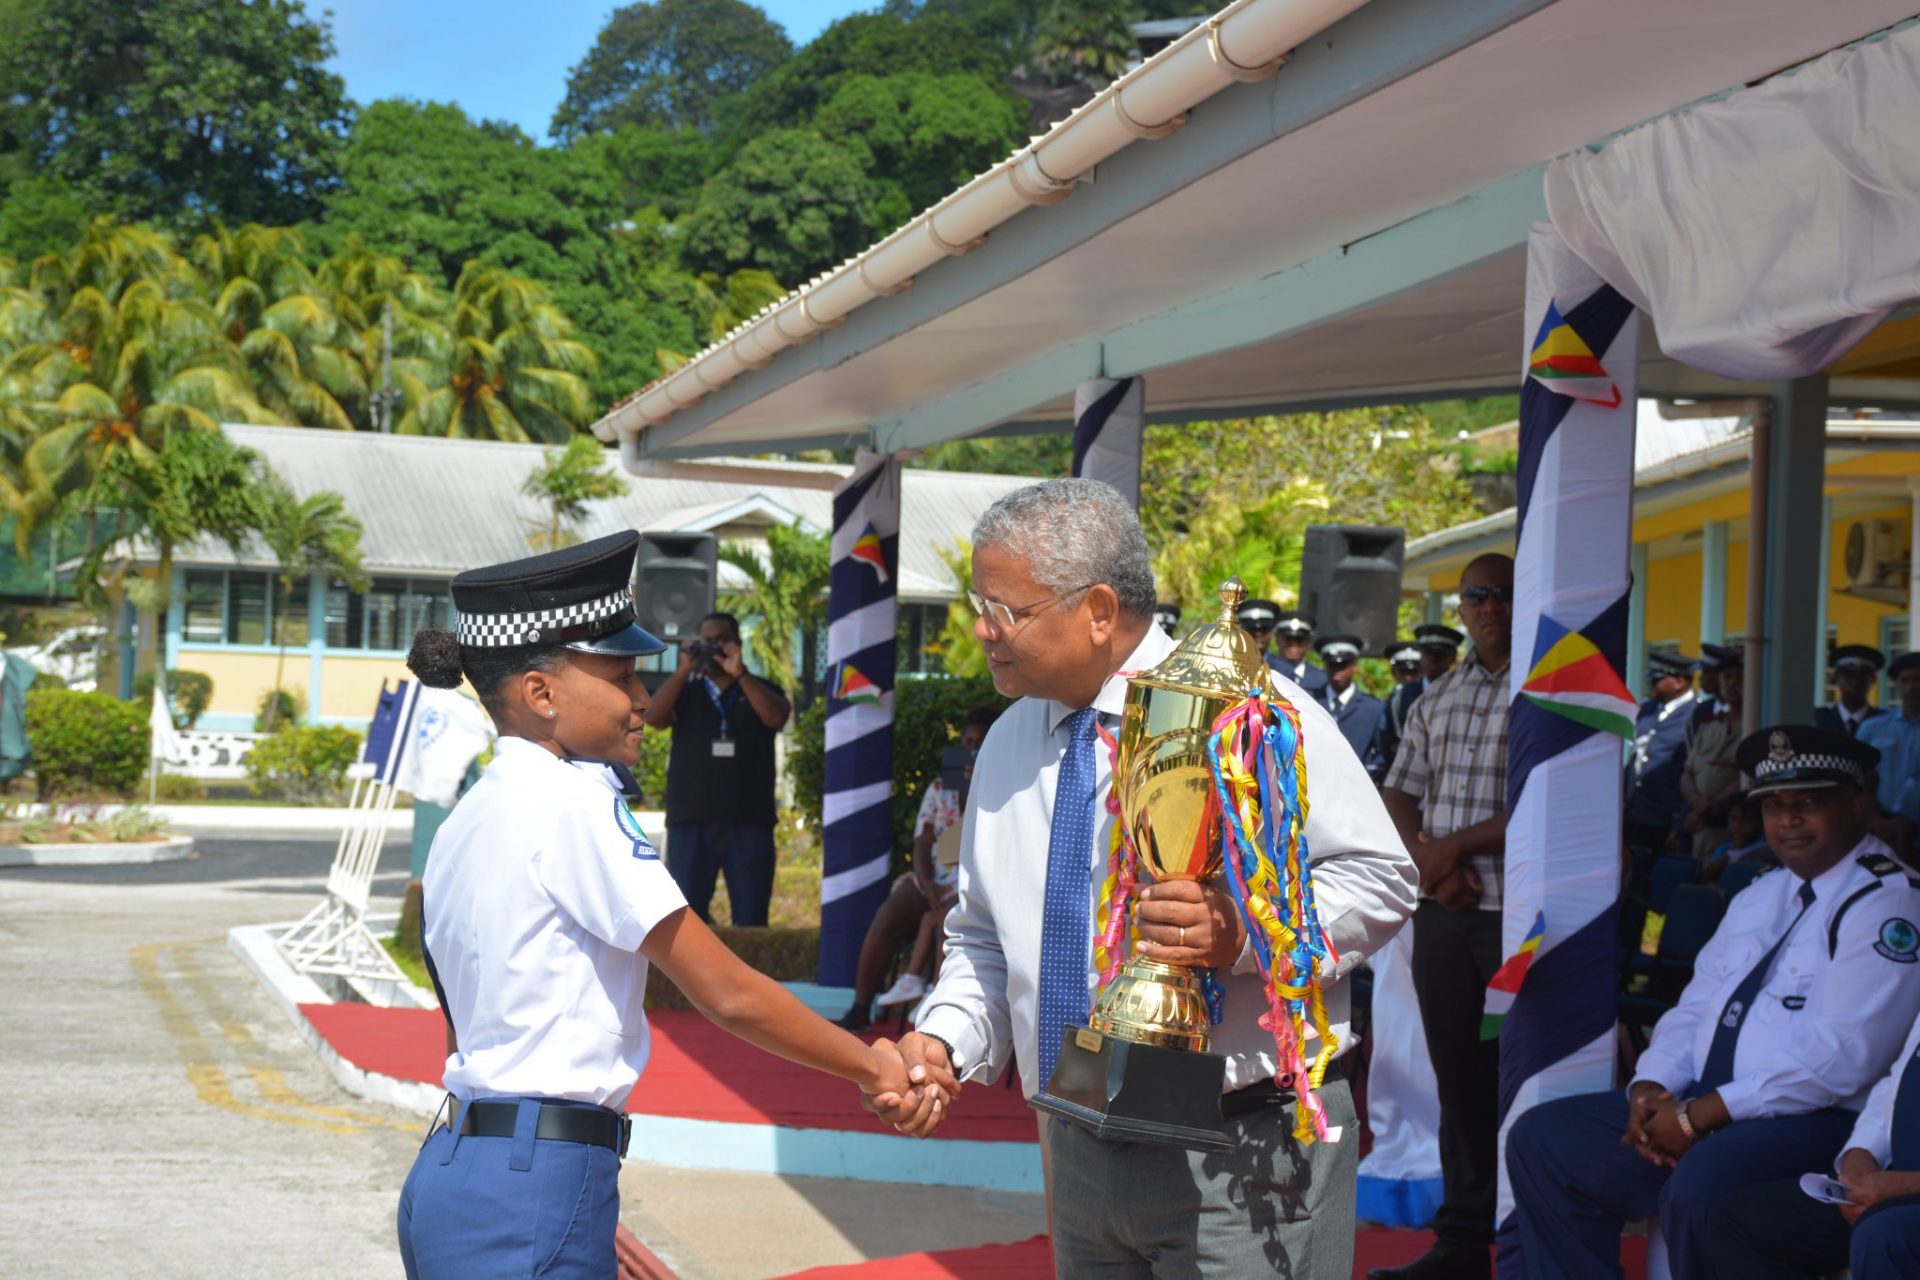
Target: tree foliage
(667, 64)
(567, 479)
(791, 203)
(925, 135)
(177, 109)
(786, 599)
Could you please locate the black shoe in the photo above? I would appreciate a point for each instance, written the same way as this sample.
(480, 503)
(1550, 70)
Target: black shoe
(1442, 1262)
(854, 1020)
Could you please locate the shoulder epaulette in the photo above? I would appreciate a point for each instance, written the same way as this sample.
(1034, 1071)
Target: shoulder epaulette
(1880, 864)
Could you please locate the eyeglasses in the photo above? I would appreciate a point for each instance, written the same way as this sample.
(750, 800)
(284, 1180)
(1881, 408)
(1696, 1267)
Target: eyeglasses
(1480, 595)
(1005, 619)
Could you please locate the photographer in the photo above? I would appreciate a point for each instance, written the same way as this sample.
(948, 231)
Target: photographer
(720, 772)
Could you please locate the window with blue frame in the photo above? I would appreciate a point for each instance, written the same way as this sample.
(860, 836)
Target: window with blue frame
(242, 607)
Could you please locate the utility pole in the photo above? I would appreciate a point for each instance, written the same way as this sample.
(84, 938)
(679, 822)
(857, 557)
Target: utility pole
(384, 398)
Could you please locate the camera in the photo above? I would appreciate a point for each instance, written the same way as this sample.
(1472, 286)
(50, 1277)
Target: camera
(704, 649)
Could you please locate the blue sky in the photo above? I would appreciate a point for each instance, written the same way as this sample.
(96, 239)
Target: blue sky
(499, 59)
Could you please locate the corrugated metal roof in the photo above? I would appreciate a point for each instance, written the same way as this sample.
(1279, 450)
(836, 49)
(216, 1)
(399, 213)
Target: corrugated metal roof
(434, 507)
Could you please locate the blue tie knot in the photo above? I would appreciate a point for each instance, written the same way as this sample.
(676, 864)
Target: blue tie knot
(1806, 893)
(1080, 725)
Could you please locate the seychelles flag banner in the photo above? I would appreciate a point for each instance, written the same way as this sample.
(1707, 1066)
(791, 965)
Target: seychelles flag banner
(857, 835)
(1552, 1003)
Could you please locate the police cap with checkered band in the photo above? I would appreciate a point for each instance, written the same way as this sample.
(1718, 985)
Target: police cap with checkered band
(579, 597)
(1790, 757)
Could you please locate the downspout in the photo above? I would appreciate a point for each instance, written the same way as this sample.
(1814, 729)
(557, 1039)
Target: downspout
(1760, 442)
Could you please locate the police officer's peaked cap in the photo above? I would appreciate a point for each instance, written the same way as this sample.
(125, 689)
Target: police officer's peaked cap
(1294, 623)
(1338, 650)
(1723, 657)
(1797, 756)
(1256, 614)
(1403, 653)
(1666, 662)
(1857, 657)
(1166, 612)
(1436, 638)
(576, 598)
(1904, 662)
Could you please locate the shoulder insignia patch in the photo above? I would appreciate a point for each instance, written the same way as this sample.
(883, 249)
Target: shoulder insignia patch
(1880, 864)
(630, 828)
(1899, 941)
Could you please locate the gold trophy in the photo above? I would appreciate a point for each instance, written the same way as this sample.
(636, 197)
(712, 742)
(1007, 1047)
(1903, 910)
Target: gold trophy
(1140, 1070)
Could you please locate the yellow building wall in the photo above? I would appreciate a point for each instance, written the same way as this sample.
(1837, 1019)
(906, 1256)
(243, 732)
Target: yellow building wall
(241, 680)
(1673, 602)
(350, 684)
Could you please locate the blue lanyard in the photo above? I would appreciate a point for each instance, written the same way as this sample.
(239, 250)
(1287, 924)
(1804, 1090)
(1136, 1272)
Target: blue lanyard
(720, 700)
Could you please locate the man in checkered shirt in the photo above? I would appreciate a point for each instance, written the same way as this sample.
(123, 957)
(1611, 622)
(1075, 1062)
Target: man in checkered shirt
(1447, 794)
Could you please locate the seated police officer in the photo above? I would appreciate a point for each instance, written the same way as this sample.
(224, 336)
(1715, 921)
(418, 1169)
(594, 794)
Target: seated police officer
(1798, 1004)
(1779, 1232)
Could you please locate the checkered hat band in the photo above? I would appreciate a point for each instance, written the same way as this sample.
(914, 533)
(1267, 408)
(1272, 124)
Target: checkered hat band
(542, 626)
(1806, 760)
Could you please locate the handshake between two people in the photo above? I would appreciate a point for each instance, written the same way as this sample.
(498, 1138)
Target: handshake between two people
(1176, 922)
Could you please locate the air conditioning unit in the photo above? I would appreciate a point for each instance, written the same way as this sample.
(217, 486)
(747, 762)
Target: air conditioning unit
(1875, 557)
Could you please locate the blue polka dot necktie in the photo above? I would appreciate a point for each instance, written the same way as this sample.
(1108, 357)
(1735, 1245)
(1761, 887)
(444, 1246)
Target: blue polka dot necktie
(1726, 1036)
(1066, 936)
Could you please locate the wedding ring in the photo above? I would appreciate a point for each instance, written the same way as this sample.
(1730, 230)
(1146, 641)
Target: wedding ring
(1183, 935)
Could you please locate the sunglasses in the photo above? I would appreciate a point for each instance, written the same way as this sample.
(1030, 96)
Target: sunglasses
(1480, 595)
(1258, 628)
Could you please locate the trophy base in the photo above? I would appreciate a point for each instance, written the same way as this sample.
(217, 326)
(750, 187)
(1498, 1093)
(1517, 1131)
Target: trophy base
(1130, 1092)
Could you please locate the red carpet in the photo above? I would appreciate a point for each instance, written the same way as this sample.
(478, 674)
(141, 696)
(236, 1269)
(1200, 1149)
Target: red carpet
(697, 1072)
(1033, 1260)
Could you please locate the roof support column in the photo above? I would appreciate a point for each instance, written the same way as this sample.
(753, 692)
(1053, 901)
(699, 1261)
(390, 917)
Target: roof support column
(1109, 422)
(1913, 580)
(857, 810)
(1636, 672)
(1713, 582)
(1820, 643)
(1796, 476)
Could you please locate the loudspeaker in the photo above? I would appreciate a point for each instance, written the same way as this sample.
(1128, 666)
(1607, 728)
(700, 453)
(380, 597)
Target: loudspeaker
(1350, 581)
(673, 582)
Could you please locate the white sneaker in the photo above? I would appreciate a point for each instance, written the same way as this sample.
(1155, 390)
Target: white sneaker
(908, 988)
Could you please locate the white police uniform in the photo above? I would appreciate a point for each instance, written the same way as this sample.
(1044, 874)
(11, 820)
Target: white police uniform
(539, 890)
(1797, 1005)
(545, 857)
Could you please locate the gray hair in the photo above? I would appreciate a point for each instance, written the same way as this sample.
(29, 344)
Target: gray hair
(1073, 534)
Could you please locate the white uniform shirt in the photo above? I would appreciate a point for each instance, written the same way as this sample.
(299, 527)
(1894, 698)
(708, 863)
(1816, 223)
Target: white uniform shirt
(539, 890)
(986, 1002)
(1873, 1131)
(1826, 1022)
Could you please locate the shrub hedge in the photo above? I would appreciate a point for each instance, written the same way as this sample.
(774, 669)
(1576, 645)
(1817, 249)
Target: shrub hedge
(85, 742)
(189, 694)
(785, 955)
(306, 764)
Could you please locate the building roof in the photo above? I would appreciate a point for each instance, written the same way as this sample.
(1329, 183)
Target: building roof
(433, 507)
(1690, 470)
(1350, 228)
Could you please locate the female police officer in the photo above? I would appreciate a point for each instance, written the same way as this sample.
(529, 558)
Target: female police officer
(544, 904)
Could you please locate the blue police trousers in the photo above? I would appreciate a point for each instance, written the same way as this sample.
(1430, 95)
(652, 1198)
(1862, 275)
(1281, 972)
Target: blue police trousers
(489, 1208)
(1575, 1186)
(1886, 1241)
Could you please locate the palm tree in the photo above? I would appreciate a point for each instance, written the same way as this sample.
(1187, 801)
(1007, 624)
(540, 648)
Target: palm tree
(787, 596)
(1085, 40)
(566, 480)
(375, 293)
(737, 298)
(311, 537)
(515, 369)
(301, 355)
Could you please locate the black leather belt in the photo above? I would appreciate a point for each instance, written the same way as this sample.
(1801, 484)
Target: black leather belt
(592, 1126)
(1268, 1093)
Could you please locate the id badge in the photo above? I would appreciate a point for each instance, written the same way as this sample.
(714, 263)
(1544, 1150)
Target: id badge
(723, 748)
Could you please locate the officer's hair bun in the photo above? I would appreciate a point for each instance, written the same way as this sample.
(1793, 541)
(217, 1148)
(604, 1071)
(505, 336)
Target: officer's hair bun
(435, 658)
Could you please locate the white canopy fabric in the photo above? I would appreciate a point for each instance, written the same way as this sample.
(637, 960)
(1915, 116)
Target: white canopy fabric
(1766, 232)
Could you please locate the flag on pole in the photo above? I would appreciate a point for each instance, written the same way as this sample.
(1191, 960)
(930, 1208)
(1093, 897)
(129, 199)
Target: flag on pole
(1507, 979)
(1109, 417)
(868, 551)
(1562, 361)
(164, 741)
(854, 687)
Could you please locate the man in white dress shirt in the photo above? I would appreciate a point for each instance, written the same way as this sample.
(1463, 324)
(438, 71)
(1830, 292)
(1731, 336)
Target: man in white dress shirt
(1797, 1006)
(1064, 587)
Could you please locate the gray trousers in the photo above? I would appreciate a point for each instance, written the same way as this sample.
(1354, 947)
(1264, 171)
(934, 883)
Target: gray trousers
(1269, 1207)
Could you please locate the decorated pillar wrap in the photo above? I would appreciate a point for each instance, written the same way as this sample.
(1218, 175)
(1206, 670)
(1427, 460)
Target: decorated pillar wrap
(1552, 1002)
(857, 847)
(1109, 415)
